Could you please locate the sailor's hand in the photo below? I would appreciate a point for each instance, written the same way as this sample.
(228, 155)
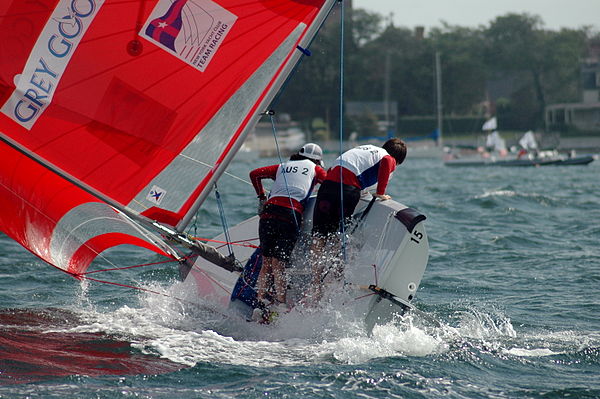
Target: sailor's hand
(382, 197)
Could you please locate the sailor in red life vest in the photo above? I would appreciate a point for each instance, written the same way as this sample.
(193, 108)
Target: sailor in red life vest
(281, 217)
(357, 171)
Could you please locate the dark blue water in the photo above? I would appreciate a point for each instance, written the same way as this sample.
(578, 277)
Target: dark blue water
(513, 281)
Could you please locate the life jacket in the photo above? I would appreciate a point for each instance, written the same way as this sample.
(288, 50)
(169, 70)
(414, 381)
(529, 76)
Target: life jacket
(295, 180)
(363, 162)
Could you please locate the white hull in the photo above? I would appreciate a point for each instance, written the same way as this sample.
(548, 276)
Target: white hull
(382, 253)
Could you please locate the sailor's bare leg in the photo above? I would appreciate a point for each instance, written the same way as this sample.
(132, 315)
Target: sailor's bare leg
(279, 279)
(317, 266)
(263, 278)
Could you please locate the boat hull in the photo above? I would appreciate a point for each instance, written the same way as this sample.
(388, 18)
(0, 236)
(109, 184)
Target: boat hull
(388, 250)
(581, 160)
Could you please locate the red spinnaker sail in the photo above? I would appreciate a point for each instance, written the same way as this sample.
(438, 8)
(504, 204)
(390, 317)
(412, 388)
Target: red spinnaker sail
(138, 104)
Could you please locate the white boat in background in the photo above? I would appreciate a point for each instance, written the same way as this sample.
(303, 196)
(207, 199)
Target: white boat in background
(527, 155)
(287, 138)
(424, 151)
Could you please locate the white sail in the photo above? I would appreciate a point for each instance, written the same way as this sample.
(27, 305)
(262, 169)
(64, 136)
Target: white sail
(528, 141)
(490, 124)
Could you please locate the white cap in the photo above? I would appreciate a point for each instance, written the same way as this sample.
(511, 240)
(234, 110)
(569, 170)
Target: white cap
(311, 151)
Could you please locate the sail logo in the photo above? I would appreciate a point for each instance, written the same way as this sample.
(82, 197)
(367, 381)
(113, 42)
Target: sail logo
(156, 195)
(48, 60)
(191, 30)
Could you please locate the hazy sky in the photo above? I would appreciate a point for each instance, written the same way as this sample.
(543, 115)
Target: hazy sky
(472, 13)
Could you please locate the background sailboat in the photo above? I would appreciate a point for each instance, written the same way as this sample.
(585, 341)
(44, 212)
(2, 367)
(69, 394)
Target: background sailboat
(496, 153)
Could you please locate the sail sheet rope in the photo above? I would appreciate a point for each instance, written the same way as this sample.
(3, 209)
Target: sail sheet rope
(287, 188)
(223, 219)
(142, 289)
(85, 276)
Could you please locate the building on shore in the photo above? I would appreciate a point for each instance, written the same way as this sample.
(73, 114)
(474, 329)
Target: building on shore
(585, 115)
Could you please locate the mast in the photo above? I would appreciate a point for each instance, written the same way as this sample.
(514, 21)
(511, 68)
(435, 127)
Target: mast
(386, 94)
(438, 86)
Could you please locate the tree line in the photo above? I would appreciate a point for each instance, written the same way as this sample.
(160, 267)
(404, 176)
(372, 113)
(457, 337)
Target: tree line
(514, 59)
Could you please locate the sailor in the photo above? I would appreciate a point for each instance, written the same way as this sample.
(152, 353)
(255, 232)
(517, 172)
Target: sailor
(353, 174)
(281, 218)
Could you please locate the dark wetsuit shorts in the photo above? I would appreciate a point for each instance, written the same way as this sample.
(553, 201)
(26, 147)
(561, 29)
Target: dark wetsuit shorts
(278, 231)
(326, 217)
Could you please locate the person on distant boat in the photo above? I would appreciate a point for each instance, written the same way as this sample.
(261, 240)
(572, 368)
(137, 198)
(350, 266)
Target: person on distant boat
(281, 218)
(353, 174)
(494, 142)
(528, 145)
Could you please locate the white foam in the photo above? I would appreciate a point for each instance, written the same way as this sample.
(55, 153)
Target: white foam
(169, 328)
(523, 352)
(480, 325)
(388, 341)
(166, 327)
(497, 193)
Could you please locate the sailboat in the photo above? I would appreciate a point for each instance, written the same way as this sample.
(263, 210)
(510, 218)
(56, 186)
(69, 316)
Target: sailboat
(528, 155)
(118, 118)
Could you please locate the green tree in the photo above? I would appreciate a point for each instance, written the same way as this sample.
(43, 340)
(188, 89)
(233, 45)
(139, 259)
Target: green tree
(518, 43)
(542, 66)
(366, 26)
(464, 71)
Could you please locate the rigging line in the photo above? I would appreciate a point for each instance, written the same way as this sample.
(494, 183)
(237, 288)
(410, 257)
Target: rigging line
(213, 280)
(204, 307)
(242, 243)
(341, 110)
(127, 286)
(128, 267)
(365, 296)
(223, 220)
(287, 188)
(211, 166)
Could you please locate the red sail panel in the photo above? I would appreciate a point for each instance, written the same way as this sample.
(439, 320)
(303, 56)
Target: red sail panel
(113, 93)
(57, 221)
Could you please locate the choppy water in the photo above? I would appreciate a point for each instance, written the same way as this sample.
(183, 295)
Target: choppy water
(513, 278)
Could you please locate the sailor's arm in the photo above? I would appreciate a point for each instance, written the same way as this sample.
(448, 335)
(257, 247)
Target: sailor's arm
(256, 176)
(386, 167)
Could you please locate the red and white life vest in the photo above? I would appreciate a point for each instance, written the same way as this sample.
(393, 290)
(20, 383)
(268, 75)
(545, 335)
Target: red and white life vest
(364, 162)
(294, 179)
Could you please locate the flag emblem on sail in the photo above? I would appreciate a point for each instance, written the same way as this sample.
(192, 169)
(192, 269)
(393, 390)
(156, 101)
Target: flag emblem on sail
(166, 28)
(156, 194)
(191, 29)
